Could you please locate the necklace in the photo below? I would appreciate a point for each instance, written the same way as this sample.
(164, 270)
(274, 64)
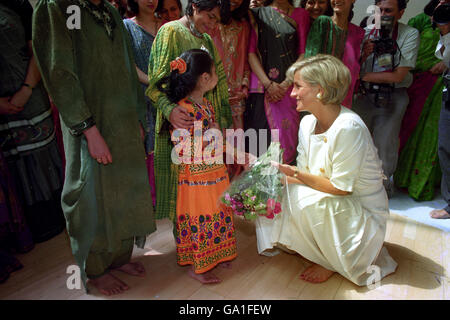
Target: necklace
(194, 31)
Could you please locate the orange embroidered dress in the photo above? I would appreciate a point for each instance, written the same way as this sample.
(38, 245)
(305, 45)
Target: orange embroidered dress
(205, 234)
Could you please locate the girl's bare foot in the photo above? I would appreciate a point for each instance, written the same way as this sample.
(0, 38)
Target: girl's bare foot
(109, 285)
(316, 274)
(205, 278)
(133, 268)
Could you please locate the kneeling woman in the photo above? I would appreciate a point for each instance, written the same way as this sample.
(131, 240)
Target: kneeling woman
(334, 207)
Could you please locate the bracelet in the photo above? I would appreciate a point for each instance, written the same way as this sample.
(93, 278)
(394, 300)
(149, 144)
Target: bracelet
(27, 85)
(78, 129)
(295, 175)
(267, 88)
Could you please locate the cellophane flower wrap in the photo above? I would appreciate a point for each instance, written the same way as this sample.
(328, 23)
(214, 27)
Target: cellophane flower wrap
(257, 191)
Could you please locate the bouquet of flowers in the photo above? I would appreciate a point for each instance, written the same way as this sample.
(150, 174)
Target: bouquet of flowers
(258, 190)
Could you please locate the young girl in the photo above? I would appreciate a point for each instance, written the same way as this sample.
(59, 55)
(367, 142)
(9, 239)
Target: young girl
(205, 235)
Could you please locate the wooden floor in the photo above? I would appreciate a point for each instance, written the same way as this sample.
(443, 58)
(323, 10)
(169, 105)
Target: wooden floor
(421, 251)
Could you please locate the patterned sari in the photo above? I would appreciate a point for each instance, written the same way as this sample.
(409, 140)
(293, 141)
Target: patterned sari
(418, 167)
(141, 43)
(279, 41)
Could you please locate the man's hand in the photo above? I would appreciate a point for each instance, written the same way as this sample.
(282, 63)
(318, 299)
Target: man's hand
(7, 107)
(98, 149)
(180, 118)
(21, 97)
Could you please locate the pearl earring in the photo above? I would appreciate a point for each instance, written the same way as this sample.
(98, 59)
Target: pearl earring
(319, 96)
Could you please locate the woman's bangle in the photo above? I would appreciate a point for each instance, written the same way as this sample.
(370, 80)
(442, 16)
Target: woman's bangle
(295, 175)
(267, 88)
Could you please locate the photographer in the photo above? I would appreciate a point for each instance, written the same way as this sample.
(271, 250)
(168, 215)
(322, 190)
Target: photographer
(441, 17)
(388, 55)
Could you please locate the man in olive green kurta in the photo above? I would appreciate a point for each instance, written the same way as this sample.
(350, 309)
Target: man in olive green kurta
(90, 75)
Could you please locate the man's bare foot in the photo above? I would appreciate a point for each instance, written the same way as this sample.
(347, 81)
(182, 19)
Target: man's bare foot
(109, 285)
(316, 274)
(225, 265)
(439, 214)
(133, 268)
(205, 278)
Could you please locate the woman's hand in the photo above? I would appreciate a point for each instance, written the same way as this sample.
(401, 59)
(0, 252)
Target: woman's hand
(439, 68)
(180, 118)
(7, 107)
(21, 97)
(239, 96)
(284, 168)
(98, 149)
(275, 92)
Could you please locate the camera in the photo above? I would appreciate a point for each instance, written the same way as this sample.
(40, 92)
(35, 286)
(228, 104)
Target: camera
(385, 44)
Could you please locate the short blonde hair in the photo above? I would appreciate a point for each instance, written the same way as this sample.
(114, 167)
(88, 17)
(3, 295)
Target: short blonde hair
(325, 71)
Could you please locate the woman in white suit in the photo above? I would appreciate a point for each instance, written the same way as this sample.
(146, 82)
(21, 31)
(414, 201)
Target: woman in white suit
(334, 207)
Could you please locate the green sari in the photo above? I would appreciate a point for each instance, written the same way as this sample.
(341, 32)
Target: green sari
(172, 40)
(418, 165)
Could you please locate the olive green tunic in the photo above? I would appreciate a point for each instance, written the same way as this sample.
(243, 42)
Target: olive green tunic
(91, 74)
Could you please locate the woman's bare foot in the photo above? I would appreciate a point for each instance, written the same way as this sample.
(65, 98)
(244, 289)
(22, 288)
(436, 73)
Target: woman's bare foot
(109, 285)
(439, 214)
(316, 274)
(205, 278)
(133, 268)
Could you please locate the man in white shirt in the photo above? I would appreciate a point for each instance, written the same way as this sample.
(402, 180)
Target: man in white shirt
(441, 17)
(385, 78)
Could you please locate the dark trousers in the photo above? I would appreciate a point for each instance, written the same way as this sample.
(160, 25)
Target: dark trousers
(444, 148)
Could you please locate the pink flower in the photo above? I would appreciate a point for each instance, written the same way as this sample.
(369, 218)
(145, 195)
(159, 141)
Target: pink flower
(270, 216)
(227, 197)
(277, 209)
(239, 213)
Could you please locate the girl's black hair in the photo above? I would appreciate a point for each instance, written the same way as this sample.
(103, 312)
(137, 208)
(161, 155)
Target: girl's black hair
(328, 12)
(178, 86)
(241, 12)
(429, 8)
(160, 7)
(208, 5)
